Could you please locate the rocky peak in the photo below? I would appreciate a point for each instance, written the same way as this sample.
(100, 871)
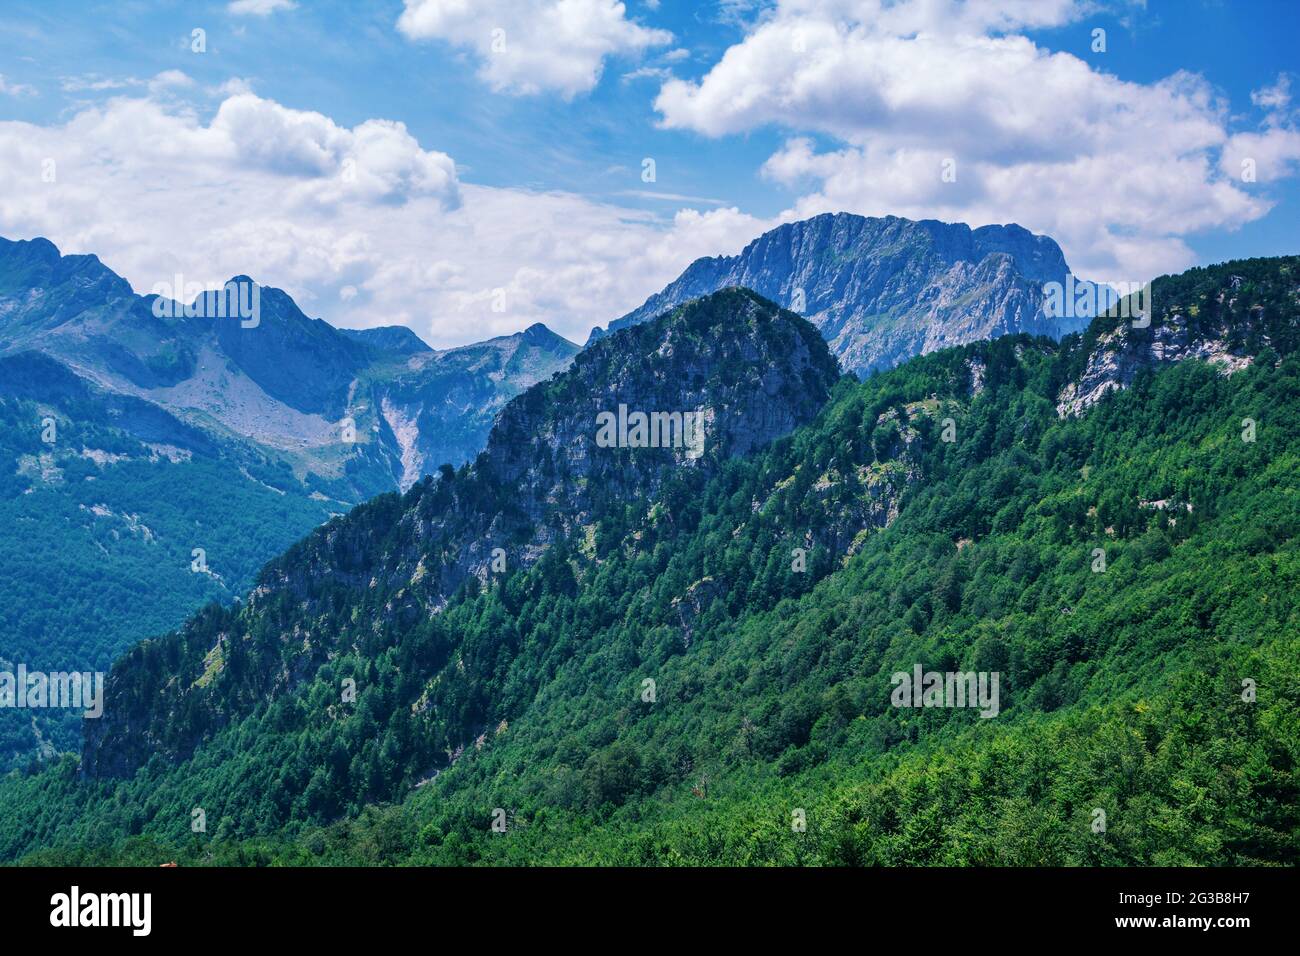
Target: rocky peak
(539, 334)
(1038, 258)
(389, 339)
(42, 290)
(883, 289)
(305, 363)
(750, 370)
(732, 365)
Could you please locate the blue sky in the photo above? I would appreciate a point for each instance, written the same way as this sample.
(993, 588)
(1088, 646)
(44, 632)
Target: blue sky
(520, 170)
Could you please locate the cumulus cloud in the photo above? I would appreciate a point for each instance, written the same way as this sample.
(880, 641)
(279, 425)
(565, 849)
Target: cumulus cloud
(363, 226)
(531, 46)
(939, 108)
(325, 164)
(169, 80)
(1267, 156)
(234, 86)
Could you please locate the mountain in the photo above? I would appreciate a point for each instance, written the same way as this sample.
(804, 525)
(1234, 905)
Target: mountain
(157, 453)
(118, 519)
(439, 405)
(883, 290)
(312, 395)
(694, 659)
(751, 371)
(395, 339)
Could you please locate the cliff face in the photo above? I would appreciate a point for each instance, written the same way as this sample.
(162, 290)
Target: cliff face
(753, 371)
(1213, 329)
(438, 406)
(883, 290)
(748, 371)
(1121, 354)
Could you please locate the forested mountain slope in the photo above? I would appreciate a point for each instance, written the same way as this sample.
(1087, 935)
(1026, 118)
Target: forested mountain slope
(1128, 566)
(543, 482)
(153, 457)
(117, 520)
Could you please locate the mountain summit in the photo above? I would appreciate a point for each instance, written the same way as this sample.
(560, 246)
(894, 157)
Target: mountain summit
(884, 289)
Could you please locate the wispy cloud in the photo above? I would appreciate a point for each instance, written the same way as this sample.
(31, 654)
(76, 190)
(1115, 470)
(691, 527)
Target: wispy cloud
(258, 8)
(15, 89)
(670, 197)
(94, 83)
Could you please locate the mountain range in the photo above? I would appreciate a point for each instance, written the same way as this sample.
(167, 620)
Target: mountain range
(156, 401)
(580, 650)
(288, 384)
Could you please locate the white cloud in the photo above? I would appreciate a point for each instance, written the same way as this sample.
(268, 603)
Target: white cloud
(1118, 172)
(1272, 154)
(14, 89)
(1275, 97)
(530, 46)
(94, 83)
(377, 161)
(258, 8)
(655, 195)
(660, 73)
(392, 238)
(234, 86)
(169, 79)
(158, 84)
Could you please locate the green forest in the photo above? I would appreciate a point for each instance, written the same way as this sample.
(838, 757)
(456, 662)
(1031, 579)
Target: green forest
(1132, 574)
(97, 539)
